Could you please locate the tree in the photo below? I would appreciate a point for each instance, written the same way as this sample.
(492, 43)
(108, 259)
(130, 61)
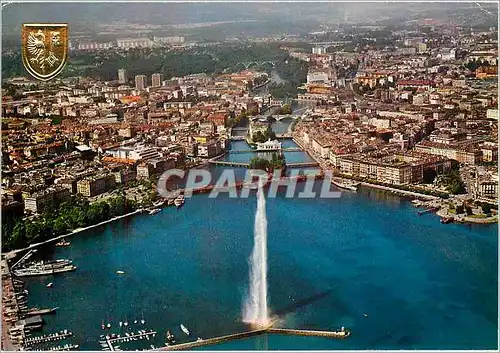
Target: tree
(18, 235)
(460, 209)
(258, 137)
(286, 109)
(60, 226)
(486, 208)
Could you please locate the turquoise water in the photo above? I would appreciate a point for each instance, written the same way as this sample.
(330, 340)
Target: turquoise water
(424, 285)
(290, 157)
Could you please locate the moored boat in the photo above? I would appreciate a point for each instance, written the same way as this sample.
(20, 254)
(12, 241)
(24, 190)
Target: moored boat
(154, 211)
(63, 243)
(170, 337)
(353, 186)
(446, 220)
(185, 330)
(179, 201)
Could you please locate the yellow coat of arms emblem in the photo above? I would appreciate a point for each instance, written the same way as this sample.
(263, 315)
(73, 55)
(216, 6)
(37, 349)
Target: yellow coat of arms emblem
(44, 49)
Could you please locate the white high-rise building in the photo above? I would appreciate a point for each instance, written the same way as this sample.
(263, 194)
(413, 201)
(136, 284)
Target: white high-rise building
(319, 50)
(122, 76)
(140, 82)
(156, 80)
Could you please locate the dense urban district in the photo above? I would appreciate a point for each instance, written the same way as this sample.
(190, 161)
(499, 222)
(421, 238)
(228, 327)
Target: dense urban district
(412, 109)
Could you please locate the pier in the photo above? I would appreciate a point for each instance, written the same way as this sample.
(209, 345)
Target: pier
(48, 338)
(109, 340)
(340, 334)
(333, 334)
(36, 311)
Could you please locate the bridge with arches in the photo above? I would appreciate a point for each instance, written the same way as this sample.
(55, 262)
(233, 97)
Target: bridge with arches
(248, 64)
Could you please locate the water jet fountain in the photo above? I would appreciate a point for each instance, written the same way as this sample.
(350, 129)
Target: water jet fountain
(255, 311)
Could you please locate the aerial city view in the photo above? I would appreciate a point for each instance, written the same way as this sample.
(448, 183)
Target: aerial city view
(249, 176)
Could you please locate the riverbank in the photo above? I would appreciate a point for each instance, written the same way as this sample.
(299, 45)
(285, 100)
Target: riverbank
(75, 231)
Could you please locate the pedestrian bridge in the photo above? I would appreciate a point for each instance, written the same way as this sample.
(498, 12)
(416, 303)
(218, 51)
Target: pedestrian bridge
(245, 165)
(289, 149)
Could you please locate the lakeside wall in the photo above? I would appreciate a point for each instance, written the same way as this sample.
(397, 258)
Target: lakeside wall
(75, 231)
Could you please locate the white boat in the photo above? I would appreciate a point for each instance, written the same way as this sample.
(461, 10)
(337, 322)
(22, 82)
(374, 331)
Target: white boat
(185, 330)
(154, 211)
(179, 201)
(50, 285)
(159, 203)
(120, 323)
(353, 186)
(120, 272)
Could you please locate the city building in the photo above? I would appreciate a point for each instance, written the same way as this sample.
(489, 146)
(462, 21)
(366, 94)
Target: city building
(466, 154)
(46, 199)
(122, 76)
(209, 149)
(319, 50)
(126, 43)
(156, 80)
(95, 185)
(269, 145)
(169, 40)
(140, 82)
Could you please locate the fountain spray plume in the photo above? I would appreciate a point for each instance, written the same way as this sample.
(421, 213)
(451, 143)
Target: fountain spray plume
(255, 311)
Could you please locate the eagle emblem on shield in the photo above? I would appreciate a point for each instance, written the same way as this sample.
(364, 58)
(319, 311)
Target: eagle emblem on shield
(44, 49)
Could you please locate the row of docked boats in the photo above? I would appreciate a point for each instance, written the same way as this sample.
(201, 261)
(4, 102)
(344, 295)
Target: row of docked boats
(178, 202)
(48, 338)
(42, 268)
(66, 347)
(122, 323)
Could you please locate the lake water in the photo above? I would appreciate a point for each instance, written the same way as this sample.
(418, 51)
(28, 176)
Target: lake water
(421, 284)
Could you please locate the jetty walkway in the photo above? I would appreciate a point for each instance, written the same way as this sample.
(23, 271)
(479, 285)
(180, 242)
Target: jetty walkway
(241, 335)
